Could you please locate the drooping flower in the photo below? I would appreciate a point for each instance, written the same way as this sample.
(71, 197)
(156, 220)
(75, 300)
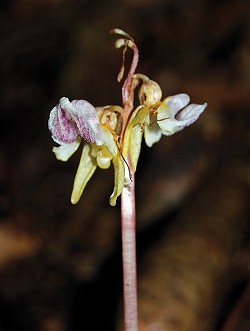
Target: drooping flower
(155, 118)
(173, 115)
(71, 122)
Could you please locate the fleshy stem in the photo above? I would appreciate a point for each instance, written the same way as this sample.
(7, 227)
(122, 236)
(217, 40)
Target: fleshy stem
(128, 218)
(128, 212)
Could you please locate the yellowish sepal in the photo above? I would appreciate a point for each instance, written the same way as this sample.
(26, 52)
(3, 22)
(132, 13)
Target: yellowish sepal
(135, 145)
(86, 169)
(133, 134)
(139, 117)
(119, 173)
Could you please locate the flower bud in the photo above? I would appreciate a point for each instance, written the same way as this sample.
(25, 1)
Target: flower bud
(149, 93)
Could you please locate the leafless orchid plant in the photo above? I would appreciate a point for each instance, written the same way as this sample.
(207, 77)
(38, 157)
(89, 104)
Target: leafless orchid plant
(114, 134)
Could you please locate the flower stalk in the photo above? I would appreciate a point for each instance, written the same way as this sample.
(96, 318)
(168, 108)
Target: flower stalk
(128, 210)
(128, 221)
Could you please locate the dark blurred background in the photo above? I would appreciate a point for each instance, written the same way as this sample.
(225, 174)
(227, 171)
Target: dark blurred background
(60, 265)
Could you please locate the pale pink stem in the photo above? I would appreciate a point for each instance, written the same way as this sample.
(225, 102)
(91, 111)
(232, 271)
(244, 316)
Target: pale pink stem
(128, 218)
(128, 213)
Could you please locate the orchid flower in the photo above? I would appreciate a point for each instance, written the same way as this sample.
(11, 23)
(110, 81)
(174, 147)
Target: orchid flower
(172, 116)
(71, 122)
(155, 118)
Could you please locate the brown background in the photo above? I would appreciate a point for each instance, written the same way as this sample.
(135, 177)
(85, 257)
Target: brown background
(60, 265)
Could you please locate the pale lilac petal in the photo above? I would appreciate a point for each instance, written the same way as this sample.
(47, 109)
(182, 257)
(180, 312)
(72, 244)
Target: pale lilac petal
(71, 120)
(63, 130)
(189, 115)
(172, 117)
(191, 112)
(175, 103)
(86, 119)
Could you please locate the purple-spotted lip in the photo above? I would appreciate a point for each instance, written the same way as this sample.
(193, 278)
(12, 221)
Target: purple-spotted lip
(71, 120)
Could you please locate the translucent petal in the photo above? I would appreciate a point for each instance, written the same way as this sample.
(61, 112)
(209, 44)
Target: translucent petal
(86, 119)
(172, 117)
(107, 140)
(62, 129)
(168, 110)
(65, 151)
(169, 125)
(70, 120)
(86, 169)
(191, 112)
(118, 180)
(152, 134)
(174, 103)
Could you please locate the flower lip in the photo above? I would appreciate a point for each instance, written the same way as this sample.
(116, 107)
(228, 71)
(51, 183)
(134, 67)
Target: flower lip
(62, 128)
(71, 120)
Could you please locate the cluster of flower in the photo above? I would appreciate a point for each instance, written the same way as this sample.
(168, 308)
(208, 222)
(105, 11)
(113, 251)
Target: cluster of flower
(108, 138)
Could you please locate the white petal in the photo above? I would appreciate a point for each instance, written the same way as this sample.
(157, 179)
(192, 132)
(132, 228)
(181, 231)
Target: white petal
(173, 121)
(98, 133)
(191, 111)
(168, 110)
(62, 129)
(152, 134)
(65, 151)
(175, 103)
(86, 118)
